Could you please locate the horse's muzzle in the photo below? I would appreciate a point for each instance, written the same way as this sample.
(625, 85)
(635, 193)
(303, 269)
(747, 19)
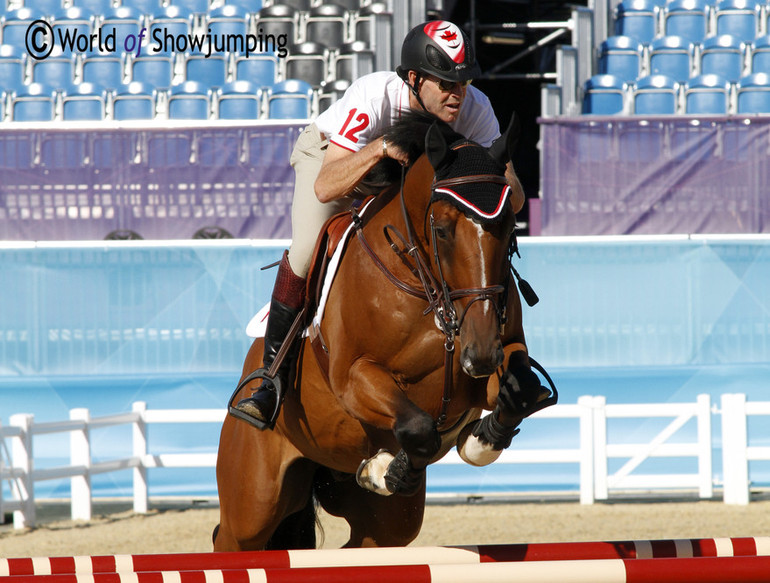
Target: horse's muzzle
(481, 363)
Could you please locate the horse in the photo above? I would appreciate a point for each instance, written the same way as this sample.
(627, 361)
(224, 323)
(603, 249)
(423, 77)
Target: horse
(421, 333)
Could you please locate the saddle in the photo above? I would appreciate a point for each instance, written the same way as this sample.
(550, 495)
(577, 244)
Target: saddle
(333, 234)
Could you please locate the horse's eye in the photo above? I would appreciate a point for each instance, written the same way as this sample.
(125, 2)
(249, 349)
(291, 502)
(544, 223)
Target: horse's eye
(442, 232)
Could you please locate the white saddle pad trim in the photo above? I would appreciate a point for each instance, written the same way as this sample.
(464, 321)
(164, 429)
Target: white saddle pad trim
(258, 324)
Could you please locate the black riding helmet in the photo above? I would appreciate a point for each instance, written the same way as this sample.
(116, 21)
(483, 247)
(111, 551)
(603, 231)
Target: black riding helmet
(438, 48)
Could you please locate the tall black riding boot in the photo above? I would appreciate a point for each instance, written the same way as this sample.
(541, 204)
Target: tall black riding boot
(285, 305)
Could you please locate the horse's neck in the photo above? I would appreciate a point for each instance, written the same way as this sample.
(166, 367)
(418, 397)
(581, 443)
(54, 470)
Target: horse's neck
(412, 196)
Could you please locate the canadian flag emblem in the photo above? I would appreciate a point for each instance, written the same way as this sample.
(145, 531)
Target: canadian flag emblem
(449, 37)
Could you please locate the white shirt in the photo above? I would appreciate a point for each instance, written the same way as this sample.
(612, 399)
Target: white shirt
(375, 101)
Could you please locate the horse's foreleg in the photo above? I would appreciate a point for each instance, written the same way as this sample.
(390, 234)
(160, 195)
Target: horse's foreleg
(514, 394)
(377, 399)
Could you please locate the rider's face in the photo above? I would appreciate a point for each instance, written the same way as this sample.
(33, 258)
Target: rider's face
(441, 98)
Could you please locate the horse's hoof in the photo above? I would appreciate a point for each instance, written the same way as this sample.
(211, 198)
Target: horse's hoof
(371, 473)
(401, 478)
(473, 450)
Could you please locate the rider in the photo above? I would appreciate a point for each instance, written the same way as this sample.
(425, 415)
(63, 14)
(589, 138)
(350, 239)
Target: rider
(333, 154)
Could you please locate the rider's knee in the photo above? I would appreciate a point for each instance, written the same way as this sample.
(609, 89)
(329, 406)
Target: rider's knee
(418, 435)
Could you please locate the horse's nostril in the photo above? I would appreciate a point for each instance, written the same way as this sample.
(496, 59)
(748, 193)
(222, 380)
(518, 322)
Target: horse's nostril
(475, 366)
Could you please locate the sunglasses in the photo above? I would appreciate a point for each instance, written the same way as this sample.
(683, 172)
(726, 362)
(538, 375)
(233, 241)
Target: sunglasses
(447, 86)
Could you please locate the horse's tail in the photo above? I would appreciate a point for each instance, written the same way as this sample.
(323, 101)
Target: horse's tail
(299, 530)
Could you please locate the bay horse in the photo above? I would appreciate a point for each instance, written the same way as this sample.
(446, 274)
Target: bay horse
(388, 394)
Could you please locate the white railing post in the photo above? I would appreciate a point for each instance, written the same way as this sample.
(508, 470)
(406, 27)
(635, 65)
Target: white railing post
(80, 457)
(705, 469)
(601, 487)
(735, 464)
(140, 451)
(586, 450)
(23, 487)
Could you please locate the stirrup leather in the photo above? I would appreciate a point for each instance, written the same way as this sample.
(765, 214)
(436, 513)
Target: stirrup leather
(269, 375)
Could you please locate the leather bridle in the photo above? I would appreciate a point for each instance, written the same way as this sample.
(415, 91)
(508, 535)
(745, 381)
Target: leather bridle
(433, 288)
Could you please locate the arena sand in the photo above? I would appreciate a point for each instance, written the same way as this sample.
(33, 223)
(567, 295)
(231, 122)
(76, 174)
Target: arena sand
(182, 527)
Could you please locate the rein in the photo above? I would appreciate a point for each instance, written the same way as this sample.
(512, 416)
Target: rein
(435, 290)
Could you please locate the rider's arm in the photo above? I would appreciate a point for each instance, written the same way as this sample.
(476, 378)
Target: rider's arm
(342, 170)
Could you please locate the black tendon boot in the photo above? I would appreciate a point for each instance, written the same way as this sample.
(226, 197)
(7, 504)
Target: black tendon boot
(285, 305)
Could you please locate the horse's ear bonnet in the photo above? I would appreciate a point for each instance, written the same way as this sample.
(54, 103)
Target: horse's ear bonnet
(503, 147)
(484, 200)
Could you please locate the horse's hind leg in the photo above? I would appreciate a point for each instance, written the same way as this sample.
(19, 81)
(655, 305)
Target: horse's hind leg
(262, 479)
(383, 521)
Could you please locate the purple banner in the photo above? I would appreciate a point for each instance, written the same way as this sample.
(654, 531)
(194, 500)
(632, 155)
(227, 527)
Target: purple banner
(165, 183)
(617, 176)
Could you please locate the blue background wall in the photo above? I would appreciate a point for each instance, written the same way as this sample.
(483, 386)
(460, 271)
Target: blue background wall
(106, 324)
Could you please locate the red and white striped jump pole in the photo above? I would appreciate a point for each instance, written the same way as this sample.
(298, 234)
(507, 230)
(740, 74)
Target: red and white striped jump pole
(644, 549)
(689, 570)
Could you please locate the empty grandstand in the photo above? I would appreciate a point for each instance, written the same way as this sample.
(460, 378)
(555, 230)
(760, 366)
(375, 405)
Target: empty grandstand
(132, 71)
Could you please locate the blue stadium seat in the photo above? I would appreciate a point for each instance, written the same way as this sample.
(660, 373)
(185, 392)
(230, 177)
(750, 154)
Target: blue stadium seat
(105, 69)
(73, 23)
(13, 63)
(134, 101)
(277, 20)
(33, 102)
(57, 70)
(760, 55)
(671, 56)
(620, 56)
(738, 18)
(604, 95)
(637, 19)
(724, 56)
(84, 101)
(47, 7)
(125, 22)
(239, 100)
(353, 60)
(327, 24)
(229, 20)
(753, 94)
(94, 6)
(260, 69)
(189, 100)
(193, 6)
(16, 22)
(687, 19)
(655, 95)
(290, 99)
(209, 70)
(251, 6)
(307, 61)
(172, 22)
(143, 6)
(707, 94)
(154, 69)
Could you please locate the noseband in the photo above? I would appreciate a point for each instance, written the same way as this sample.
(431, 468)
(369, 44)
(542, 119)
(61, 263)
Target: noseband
(434, 288)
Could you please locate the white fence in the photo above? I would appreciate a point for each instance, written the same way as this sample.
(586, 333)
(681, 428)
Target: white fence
(592, 451)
